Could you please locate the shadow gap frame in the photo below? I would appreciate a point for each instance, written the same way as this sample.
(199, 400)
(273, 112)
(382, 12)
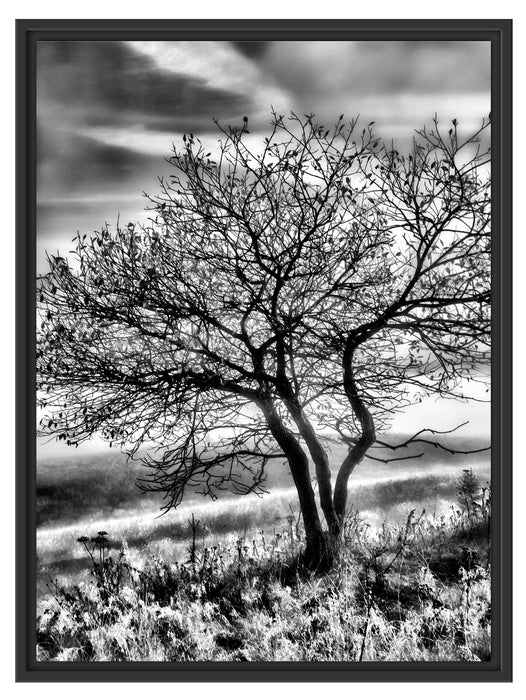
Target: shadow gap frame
(499, 33)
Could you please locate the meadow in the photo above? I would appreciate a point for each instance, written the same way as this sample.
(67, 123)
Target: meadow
(223, 580)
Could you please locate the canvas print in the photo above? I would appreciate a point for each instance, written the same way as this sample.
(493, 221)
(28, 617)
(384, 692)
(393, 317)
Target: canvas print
(263, 351)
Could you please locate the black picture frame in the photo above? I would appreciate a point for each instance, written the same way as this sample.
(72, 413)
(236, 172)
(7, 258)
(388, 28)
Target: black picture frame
(499, 33)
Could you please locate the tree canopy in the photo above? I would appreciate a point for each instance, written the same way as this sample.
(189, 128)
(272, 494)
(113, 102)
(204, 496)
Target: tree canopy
(277, 299)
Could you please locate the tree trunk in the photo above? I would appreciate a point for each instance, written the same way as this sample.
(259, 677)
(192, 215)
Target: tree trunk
(315, 549)
(318, 550)
(321, 464)
(354, 457)
(368, 434)
(307, 432)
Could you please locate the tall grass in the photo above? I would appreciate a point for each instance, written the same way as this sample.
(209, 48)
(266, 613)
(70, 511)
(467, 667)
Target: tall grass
(412, 591)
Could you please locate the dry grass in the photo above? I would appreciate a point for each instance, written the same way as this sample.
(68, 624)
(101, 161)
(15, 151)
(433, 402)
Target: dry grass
(416, 590)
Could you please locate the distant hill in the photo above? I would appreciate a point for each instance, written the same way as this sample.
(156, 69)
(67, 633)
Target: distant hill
(71, 487)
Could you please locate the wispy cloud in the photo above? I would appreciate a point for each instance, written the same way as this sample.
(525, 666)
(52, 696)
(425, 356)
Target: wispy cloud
(219, 66)
(342, 70)
(109, 111)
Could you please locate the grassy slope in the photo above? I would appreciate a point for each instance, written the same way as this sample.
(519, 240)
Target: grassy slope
(81, 496)
(418, 591)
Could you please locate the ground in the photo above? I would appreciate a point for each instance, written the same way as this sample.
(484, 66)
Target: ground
(224, 581)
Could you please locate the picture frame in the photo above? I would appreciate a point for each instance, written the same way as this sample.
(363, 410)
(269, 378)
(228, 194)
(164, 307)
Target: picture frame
(499, 33)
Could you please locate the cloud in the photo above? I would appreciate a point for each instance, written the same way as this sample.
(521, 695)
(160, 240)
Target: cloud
(100, 83)
(219, 66)
(109, 111)
(88, 89)
(74, 165)
(156, 143)
(252, 49)
(380, 67)
(390, 80)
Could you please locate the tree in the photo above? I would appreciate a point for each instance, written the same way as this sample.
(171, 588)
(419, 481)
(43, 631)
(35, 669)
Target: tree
(276, 301)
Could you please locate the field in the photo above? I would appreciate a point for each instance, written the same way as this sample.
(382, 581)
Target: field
(223, 580)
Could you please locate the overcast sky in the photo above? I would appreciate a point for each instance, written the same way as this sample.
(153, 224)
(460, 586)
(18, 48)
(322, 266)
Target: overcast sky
(108, 112)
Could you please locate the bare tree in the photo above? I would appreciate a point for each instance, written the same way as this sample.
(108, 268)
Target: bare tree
(277, 300)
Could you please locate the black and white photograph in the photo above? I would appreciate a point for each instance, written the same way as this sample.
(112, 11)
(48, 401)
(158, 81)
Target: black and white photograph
(263, 351)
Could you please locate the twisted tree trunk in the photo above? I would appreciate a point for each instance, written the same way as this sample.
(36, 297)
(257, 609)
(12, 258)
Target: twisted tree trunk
(317, 553)
(321, 546)
(321, 465)
(358, 449)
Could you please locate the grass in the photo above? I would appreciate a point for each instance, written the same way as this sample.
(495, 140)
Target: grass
(226, 583)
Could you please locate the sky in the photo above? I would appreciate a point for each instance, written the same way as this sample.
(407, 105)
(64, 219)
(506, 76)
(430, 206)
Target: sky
(108, 113)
